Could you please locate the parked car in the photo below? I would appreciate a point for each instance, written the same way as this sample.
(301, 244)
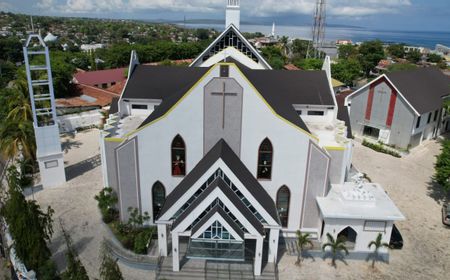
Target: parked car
(446, 214)
(396, 241)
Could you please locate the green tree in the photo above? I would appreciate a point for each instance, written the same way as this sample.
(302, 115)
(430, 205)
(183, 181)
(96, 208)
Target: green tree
(75, 269)
(109, 269)
(347, 51)
(397, 50)
(401, 67)
(434, 58)
(346, 70)
(309, 64)
(274, 56)
(442, 166)
(336, 247)
(30, 227)
(299, 48)
(302, 241)
(377, 245)
(414, 56)
(16, 129)
(370, 53)
(107, 201)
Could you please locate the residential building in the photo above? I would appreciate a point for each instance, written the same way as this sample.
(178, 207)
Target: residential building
(401, 108)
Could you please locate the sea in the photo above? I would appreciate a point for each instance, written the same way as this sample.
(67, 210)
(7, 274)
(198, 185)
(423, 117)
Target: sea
(427, 39)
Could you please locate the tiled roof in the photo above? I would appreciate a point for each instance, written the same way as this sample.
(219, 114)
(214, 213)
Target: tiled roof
(93, 78)
(89, 96)
(117, 88)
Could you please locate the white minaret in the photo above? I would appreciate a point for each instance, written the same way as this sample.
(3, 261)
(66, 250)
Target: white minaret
(233, 14)
(40, 87)
(273, 30)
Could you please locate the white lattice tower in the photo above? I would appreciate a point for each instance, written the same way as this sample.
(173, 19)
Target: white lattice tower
(40, 87)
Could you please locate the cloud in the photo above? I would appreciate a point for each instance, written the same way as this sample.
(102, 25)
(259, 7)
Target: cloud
(5, 6)
(354, 8)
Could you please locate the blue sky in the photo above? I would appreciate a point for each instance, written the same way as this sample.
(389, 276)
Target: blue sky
(374, 14)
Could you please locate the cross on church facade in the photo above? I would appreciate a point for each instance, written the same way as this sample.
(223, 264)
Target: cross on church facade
(224, 94)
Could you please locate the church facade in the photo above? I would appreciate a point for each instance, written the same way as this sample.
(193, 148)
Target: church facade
(226, 151)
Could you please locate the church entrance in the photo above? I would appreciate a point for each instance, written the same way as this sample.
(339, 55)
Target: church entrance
(216, 243)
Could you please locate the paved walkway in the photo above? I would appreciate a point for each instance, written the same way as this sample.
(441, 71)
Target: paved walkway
(74, 203)
(426, 253)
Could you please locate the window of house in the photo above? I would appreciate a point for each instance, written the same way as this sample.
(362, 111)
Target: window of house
(104, 85)
(436, 115)
(265, 155)
(299, 112)
(158, 198)
(418, 121)
(283, 200)
(316, 113)
(429, 117)
(139, 106)
(178, 157)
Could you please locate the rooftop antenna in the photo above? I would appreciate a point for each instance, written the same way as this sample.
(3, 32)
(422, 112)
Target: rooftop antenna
(42, 99)
(318, 29)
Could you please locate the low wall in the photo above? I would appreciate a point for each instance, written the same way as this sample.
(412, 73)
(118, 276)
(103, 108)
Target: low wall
(71, 122)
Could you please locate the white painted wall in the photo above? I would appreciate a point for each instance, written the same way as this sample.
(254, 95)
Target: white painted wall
(328, 117)
(363, 238)
(232, 52)
(68, 123)
(258, 122)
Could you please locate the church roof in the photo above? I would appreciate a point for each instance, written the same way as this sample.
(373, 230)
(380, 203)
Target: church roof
(223, 151)
(160, 82)
(281, 89)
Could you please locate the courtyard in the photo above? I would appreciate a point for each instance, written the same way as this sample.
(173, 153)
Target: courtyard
(425, 254)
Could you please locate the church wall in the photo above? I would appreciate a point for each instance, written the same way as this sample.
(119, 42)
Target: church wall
(258, 122)
(110, 157)
(128, 177)
(290, 149)
(155, 145)
(337, 165)
(316, 185)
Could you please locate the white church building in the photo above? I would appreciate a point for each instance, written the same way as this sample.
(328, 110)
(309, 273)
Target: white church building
(228, 151)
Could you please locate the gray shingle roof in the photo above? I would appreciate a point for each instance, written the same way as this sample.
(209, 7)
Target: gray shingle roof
(424, 88)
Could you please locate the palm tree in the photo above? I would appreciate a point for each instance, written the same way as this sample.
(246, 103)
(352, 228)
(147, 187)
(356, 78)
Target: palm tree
(302, 241)
(336, 246)
(378, 244)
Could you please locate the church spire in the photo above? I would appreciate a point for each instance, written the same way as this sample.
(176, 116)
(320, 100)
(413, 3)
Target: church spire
(233, 13)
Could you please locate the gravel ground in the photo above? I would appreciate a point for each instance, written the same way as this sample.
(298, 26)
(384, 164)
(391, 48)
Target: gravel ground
(426, 253)
(74, 204)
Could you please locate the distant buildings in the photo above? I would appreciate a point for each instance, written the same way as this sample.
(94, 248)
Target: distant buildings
(91, 47)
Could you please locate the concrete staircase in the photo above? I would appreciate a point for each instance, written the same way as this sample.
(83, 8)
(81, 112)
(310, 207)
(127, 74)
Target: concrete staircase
(212, 270)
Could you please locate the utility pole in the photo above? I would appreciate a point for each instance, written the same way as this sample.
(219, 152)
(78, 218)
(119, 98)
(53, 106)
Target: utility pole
(318, 29)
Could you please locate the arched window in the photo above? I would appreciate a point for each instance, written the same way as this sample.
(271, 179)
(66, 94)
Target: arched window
(283, 199)
(265, 155)
(158, 198)
(348, 234)
(178, 156)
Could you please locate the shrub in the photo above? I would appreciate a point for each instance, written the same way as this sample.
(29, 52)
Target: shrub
(107, 200)
(380, 148)
(142, 240)
(442, 167)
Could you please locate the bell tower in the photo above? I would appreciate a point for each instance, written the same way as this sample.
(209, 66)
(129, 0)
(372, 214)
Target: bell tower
(233, 13)
(42, 98)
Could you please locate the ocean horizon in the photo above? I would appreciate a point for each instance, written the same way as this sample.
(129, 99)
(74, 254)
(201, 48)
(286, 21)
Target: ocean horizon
(427, 39)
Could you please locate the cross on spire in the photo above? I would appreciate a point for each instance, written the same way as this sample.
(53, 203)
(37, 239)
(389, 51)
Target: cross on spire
(224, 94)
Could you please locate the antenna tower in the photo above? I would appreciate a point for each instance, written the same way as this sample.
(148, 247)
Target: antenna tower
(318, 29)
